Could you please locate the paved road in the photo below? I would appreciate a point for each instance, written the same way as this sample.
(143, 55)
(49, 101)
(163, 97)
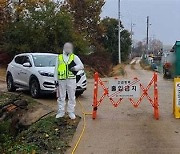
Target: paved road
(126, 129)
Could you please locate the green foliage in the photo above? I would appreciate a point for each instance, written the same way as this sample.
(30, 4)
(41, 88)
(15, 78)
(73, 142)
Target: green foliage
(5, 18)
(86, 15)
(125, 44)
(110, 39)
(5, 138)
(42, 27)
(22, 148)
(47, 135)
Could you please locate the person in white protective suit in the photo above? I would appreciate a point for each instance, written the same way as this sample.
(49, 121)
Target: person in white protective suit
(67, 65)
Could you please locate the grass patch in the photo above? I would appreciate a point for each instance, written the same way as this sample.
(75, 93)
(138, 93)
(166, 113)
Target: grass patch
(9, 144)
(118, 70)
(6, 97)
(48, 135)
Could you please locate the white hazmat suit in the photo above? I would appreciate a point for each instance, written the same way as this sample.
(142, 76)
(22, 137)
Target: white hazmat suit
(67, 86)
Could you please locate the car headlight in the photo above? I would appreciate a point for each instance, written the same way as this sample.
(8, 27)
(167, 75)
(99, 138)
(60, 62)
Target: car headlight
(48, 74)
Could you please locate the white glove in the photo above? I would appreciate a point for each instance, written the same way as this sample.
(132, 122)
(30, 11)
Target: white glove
(73, 69)
(56, 84)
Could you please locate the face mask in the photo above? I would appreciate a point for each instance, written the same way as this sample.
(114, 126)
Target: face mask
(68, 49)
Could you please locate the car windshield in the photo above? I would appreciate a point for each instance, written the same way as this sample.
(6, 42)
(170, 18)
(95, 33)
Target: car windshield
(44, 60)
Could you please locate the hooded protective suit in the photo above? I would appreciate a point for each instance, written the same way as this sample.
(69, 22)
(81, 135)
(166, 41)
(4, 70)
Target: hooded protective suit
(67, 85)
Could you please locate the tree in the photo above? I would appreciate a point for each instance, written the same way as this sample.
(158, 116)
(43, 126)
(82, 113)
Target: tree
(110, 39)
(42, 27)
(5, 18)
(139, 48)
(155, 46)
(86, 15)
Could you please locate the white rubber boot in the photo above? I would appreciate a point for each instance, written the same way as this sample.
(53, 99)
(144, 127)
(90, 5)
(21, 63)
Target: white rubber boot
(72, 115)
(60, 115)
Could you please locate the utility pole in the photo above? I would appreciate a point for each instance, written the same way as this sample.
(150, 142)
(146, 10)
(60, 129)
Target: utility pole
(131, 30)
(119, 29)
(132, 25)
(147, 41)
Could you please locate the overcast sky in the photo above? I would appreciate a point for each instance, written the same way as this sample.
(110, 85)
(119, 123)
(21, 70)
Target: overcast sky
(164, 17)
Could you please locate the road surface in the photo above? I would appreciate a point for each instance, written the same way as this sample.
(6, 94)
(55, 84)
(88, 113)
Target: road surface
(126, 129)
(129, 130)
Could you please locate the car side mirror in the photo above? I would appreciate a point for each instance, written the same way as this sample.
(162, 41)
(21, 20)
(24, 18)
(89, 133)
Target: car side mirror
(27, 64)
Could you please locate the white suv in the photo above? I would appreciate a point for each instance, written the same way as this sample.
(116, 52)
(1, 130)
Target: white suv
(35, 72)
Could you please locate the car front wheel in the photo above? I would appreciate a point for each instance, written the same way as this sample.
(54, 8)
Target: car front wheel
(35, 88)
(10, 84)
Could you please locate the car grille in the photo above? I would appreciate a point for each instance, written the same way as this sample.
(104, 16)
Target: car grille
(49, 85)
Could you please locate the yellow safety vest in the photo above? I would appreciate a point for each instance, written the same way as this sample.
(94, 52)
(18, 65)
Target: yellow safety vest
(63, 70)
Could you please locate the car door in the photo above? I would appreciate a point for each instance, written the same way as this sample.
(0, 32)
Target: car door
(15, 70)
(25, 72)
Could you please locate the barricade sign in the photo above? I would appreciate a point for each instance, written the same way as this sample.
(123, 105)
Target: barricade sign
(125, 89)
(176, 99)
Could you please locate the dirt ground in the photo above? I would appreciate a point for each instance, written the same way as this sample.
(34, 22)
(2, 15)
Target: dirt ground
(2, 86)
(2, 73)
(126, 129)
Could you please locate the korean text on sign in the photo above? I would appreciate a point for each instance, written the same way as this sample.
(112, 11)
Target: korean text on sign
(124, 88)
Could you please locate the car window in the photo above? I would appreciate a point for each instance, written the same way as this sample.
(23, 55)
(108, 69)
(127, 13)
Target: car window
(19, 59)
(44, 60)
(26, 59)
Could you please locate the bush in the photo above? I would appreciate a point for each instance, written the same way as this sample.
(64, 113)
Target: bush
(100, 62)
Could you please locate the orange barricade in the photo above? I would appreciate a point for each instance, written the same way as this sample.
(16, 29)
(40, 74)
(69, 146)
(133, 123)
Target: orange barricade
(154, 101)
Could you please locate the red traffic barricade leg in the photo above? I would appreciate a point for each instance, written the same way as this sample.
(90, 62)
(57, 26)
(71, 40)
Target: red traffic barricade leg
(95, 99)
(156, 104)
